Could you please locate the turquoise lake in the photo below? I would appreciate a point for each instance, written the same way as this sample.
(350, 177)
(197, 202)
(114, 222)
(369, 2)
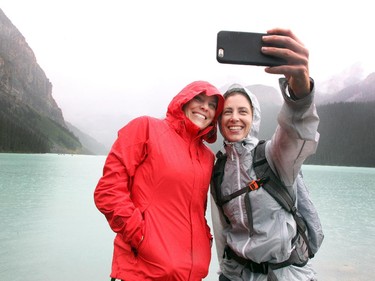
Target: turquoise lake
(50, 228)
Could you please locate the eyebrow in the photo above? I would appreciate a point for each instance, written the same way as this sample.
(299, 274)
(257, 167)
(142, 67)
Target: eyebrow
(244, 107)
(241, 107)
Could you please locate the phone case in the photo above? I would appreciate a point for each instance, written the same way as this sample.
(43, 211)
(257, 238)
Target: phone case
(236, 47)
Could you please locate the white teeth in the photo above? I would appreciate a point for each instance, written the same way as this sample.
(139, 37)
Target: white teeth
(200, 116)
(235, 128)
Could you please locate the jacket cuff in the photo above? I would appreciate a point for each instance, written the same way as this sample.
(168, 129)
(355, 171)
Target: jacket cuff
(288, 92)
(134, 229)
(137, 239)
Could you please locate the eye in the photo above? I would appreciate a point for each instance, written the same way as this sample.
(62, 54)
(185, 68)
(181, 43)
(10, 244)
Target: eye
(213, 105)
(198, 98)
(243, 111)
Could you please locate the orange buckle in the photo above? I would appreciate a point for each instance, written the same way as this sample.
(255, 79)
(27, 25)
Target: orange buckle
(253, 185)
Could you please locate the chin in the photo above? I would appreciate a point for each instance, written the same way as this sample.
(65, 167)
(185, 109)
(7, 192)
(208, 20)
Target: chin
(236, 139)
(202, 126)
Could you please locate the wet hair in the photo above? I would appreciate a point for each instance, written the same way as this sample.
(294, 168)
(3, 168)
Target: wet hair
(217, 101)
(238, 91)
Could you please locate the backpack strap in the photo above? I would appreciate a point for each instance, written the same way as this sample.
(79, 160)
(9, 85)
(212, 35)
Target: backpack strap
(278, 190)
(217, 178)
(274, 187)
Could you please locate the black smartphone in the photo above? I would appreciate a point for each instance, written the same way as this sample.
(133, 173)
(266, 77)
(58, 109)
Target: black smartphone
(235, 47)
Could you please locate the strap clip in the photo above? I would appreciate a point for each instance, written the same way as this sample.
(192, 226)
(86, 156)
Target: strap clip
(255, 184)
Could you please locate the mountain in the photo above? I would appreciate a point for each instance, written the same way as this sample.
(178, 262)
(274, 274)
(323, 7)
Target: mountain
(30, 119)
(361, 91)
(347, 77)
(88, 142)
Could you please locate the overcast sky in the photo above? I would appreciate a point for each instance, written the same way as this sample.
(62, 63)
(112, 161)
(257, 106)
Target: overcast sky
(110, 61)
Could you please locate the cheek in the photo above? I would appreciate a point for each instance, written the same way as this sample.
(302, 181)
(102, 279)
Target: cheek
(222, 121)
(221, 125)
(185, 110)
(250, 124)
(223, 129)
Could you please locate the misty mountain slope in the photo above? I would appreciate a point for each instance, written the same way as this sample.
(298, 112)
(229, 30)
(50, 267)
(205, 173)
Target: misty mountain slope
(30, 119)
(88, 142)
(333, 91)
(24, 130)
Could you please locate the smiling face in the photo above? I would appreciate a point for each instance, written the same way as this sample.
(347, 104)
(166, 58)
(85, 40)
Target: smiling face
(237, 117)
(201, 110)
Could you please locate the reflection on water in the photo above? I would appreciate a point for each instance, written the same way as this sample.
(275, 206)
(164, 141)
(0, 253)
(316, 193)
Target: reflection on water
(50, 228)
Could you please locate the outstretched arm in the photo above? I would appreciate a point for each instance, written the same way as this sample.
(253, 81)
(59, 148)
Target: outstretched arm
(296, 136)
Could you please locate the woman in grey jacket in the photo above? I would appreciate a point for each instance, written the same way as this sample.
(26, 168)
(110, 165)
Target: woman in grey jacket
(295, 138)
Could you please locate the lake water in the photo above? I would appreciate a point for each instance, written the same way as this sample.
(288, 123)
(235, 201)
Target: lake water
(50, 228)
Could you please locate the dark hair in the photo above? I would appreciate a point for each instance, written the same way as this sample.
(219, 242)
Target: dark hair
(239, 91)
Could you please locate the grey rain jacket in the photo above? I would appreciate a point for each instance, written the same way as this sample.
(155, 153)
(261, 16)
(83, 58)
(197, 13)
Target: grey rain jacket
(295, 138)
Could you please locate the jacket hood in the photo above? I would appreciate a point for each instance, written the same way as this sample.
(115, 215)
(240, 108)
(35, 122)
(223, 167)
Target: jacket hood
(177, 117)
(252, 137)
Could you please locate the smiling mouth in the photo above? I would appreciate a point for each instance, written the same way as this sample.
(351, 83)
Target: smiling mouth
(235, 128)
(200, 116)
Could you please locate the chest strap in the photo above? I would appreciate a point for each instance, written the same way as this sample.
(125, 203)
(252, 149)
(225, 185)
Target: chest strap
(251, 186)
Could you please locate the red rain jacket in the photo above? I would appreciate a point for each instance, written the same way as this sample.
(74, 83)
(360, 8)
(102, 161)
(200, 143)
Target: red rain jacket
(153, 193)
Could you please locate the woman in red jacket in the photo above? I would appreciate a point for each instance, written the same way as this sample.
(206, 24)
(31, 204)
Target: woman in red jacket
(154, 188)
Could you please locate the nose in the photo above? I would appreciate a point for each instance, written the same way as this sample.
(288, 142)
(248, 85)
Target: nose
(234, 118)
(204, 105)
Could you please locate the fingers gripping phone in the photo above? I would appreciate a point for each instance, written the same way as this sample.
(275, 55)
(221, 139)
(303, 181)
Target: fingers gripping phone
(234, 47)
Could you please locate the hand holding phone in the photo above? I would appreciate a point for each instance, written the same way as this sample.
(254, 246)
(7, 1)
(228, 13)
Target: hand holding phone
(234, 47)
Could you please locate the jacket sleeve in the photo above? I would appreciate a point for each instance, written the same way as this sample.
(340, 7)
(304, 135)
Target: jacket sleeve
(296, 135)
(112, 195)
